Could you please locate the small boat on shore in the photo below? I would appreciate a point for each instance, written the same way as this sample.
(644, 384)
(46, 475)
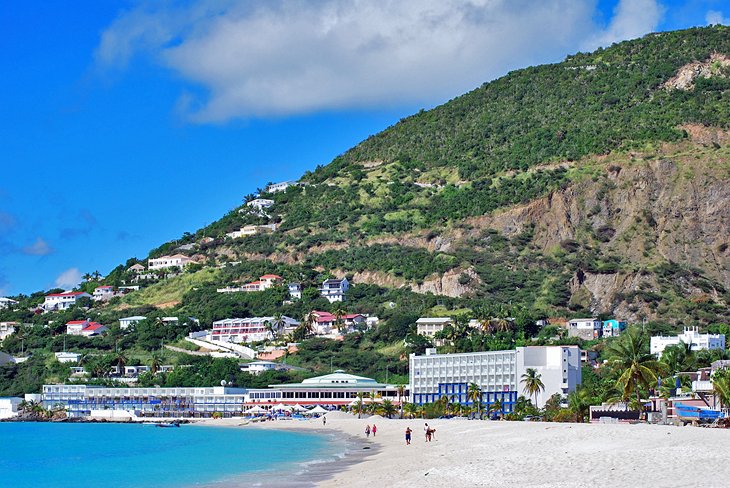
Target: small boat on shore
(168, 424)
(691, 413)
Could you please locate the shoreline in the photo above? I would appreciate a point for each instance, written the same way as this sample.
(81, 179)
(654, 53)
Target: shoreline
(530, 454)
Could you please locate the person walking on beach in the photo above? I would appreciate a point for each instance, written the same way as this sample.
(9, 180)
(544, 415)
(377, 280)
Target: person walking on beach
(367, 430)
(324, 421)
(408, 436)
(375, 429)
(426, 430)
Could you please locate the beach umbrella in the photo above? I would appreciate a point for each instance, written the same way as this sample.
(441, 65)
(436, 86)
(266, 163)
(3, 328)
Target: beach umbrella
(298, 408)
(256, 409)
(318, 409)
(283, 407)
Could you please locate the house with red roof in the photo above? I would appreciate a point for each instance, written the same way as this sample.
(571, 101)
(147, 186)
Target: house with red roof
(85, 328)
(263, 283)
(326, 323)
(62, 301)
(103, 293)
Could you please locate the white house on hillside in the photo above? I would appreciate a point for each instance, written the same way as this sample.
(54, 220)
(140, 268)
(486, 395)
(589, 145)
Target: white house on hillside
(295, 291)
(277, 187)
(251, 230)
(587, 329)
(6, 303)
(252, 329)
(260, 204)
(7, 329)
(691, 336)
(85, 328)
(334, 290)
(126, 322)
(176, 261)
(136, 268)
(103, 293)
(62, 301)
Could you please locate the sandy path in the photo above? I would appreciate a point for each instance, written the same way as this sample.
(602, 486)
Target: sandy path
(532, 454)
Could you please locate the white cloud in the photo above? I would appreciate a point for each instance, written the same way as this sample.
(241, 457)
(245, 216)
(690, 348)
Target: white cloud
(714, 17)
(69, 278)
(631, 19)
(39, 248)
(270, 58)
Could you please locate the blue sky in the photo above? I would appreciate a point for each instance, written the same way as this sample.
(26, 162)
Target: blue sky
(126, 124)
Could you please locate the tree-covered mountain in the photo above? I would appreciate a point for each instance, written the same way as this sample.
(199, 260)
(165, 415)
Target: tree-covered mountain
(595, 186)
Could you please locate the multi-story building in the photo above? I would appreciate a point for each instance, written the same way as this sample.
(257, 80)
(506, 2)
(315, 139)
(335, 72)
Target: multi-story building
(587, 329)
(497, 373)
(334, 290)
(7, 329)
(295, 291)
(175, 261)
(613, 327)
(7, 303)
(690, 336)
(254, 329)
(62, 301)
(430, 326)
(81, 400)
(103, 293)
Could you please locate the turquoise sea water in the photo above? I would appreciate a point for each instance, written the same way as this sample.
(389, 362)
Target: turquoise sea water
(123, 455)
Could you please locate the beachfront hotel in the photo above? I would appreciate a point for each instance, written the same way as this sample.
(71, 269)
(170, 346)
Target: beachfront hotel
(332, 390)
(86, 400)
(498, 374)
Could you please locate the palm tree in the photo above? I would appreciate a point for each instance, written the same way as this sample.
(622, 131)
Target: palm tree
(387, 409)
(410, 409)
(156, 362)
(721, 386)
(121, 361)
(496, 408)
(339, 319)
(474, 395)
(87, 277)
(278, 324)
(637, 367)
(359, 403)
(579, 402)
(401, 391)
(522, 405)
(533, 385)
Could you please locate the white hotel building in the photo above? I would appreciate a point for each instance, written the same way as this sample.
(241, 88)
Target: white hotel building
(690, 336)
(498, 374)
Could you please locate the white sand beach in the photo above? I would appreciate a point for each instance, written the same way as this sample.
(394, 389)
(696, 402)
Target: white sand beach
(529, 454)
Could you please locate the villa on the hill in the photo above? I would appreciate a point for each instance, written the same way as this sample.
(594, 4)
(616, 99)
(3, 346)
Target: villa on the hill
(251, 230)
(175, 261)
(692, 337)
(7, 329)
(85, 328)
(126, 322)
(334, 290)
(7, 303)
(62, 301)
(277, 187)
(263, 283)
(326, 323)
(295, 291)
(260, 204)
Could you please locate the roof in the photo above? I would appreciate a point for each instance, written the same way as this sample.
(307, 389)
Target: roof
(334, 281)
(93, 326)
(434, 320)
(136, 317)
(353, 315)
(67, 294)
(104, 286)
(76, 322)
(338, 379)
(270, 277)
(323, 316)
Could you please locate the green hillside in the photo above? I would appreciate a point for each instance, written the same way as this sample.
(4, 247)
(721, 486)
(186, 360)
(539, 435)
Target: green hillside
(597, 186)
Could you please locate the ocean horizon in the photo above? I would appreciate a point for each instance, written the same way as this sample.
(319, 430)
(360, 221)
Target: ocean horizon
(140, 455)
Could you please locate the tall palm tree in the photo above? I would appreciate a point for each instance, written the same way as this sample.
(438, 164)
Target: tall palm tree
(156, 362)
(579, 402)
(359, 403)
(474, 395)
(721, 386)
(533, 385)
(637, 368)
(121, 359)
(278, 324)
(340, 319)
(401, 391)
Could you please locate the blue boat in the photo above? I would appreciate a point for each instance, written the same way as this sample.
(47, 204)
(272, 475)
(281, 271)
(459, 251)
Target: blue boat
(690, 413)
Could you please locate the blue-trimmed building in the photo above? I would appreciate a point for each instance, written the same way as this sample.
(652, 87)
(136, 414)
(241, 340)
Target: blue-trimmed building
(497, 373)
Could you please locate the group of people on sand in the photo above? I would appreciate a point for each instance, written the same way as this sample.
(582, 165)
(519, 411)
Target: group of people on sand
(369, 430)
(430, 434)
